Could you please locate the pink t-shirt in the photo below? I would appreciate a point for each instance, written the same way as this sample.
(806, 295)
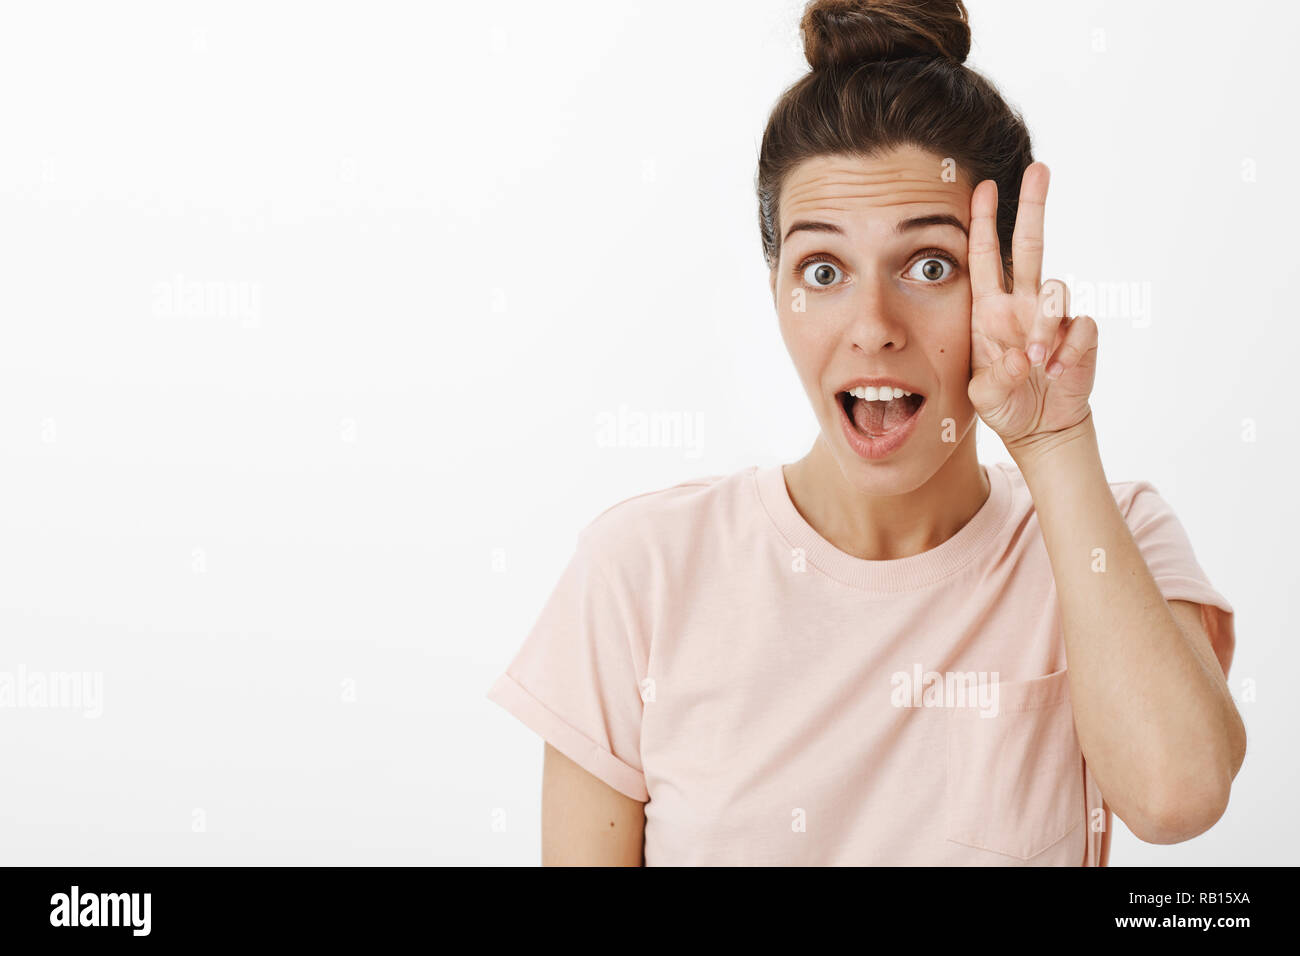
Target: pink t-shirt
(776, 701)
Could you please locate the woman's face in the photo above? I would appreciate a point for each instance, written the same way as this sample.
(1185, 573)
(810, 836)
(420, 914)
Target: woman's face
(869, 286)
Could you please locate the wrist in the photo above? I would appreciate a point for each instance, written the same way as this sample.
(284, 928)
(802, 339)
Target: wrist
(1035, 451)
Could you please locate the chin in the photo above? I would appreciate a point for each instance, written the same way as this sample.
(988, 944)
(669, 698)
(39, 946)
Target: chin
(882, 480)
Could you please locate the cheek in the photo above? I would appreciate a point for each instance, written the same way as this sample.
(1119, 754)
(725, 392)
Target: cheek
(956, 349)
(953, 336)
(948, 345)
(810, 344)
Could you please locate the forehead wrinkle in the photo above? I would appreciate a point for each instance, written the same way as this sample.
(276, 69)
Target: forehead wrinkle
(812, 210)
(840, 181)
(906, 192)
(897, 164)
(810, 206)
(878, 187)
(828, 202)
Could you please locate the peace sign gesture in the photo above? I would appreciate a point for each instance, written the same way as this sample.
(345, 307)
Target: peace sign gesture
(1032, 366)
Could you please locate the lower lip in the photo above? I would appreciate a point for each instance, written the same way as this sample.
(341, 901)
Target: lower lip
(886, 444)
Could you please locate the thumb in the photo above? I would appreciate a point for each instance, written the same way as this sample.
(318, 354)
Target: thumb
(1000, 378)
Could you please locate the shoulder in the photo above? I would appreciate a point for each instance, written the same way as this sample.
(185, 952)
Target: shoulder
(670, 517)
(1161, 537)
(1135, 498)
(1138, 497)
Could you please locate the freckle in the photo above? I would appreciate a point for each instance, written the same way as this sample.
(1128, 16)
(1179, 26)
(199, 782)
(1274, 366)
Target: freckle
(611, 822)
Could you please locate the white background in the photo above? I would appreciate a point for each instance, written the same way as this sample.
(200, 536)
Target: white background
(309, 313)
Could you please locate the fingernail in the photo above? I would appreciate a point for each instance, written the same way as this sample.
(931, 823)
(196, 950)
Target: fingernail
(1056, 370)
(1036, 354)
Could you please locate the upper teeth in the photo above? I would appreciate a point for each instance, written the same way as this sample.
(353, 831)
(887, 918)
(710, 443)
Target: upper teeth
(882, 394)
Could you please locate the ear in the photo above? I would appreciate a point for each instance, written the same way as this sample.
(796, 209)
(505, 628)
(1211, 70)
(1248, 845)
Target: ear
(771, 281)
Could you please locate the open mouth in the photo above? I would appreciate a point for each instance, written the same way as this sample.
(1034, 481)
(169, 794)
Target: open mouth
(875, 412)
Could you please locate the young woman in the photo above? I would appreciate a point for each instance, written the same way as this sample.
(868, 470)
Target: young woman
(886, 652)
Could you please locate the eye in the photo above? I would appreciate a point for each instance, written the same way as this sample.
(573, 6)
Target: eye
(819, 273)
(936, 266)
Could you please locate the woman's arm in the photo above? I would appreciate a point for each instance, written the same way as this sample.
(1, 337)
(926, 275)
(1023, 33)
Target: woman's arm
(1155, 719)
(585, 821)
(1152, 710)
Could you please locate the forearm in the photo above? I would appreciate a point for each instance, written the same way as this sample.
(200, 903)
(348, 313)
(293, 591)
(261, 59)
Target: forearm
(1154, 718)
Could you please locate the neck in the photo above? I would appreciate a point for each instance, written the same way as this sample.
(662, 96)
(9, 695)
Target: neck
(887, 527)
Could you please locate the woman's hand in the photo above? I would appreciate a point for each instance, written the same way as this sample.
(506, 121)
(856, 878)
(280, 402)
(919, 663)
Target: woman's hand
(1032, 366)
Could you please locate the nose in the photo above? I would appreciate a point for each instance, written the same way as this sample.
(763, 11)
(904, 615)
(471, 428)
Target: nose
(876, 322)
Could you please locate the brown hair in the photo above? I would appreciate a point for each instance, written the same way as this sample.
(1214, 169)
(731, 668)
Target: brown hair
(888, 73)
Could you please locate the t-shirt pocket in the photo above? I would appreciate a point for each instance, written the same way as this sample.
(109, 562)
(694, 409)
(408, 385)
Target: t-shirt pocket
(1015, 779)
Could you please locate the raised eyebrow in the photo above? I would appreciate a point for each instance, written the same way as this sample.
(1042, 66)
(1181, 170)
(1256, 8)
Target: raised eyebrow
(903, 225)
(807, 226)
(938, 219)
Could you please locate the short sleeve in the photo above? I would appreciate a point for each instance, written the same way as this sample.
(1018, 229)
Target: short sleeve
(1164, 545)
(575, 680)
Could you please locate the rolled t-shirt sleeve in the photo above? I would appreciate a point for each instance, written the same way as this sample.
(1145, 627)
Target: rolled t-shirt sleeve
(576, 679)
(1168, 552)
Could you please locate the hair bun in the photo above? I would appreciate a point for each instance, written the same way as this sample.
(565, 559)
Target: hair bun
(848, 32)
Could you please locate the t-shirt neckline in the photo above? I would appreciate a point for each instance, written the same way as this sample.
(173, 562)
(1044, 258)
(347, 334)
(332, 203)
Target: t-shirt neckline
(900, 574)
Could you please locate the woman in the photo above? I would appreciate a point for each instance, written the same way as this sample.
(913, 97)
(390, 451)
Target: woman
(885, 652)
